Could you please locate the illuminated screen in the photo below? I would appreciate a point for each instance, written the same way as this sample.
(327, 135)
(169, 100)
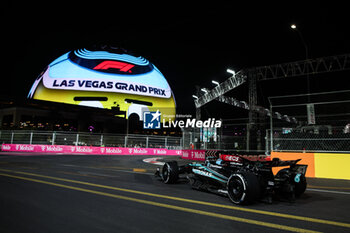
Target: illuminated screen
(104, 79)
(208, 134)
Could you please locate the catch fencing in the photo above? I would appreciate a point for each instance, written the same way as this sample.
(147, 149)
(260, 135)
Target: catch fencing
(321, 123)
(89, 139)
(311, 139)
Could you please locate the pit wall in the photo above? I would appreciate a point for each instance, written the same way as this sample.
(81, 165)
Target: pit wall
(320, 165)
(62, 149)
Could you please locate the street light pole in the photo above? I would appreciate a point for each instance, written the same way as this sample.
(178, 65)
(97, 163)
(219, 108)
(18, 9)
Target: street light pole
(294, 27)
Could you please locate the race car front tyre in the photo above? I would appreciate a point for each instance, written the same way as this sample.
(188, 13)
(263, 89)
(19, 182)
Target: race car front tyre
(170, 172)
(243, 188)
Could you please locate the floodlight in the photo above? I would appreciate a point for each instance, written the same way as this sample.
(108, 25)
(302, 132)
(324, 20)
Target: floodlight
(231, 71)
(215, 82)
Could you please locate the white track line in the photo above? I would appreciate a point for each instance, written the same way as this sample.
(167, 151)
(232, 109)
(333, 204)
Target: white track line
(328, 191)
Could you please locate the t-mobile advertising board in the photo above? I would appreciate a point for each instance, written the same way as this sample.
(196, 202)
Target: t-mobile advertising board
(88, 150)
(193, 155)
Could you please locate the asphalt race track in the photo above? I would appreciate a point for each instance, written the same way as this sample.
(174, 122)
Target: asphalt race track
(81, 193)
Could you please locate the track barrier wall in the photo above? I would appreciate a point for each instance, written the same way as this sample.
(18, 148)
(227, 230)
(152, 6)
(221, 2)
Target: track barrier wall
(306, 158)
(335, 166)
(88, 150)
(320, 165)
(193, 154)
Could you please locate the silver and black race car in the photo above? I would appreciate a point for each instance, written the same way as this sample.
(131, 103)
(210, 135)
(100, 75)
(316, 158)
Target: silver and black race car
(243, 180)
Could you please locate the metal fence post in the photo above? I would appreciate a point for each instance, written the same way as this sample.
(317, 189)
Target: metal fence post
(267, 136)
(77, 140)
(12, 134)
(125, 141)
(53, 138)
(147, 142)
(166, 142)
(183, 140)
(191, 141)
(101, 144)
(218, 139)
(271, 129)
(31, 138)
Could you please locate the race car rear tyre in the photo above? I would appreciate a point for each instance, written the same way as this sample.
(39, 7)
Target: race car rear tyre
(243, 188)
(170, 172)
(300, 187)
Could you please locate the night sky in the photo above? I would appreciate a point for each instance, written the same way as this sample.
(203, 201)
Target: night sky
(190, 44)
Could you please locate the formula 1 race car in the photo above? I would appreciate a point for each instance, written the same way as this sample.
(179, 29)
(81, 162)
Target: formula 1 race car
(243, 180)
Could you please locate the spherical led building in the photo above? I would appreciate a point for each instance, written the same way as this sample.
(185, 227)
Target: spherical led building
(105, 78)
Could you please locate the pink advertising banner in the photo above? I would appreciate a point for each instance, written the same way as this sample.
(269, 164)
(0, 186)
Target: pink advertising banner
(88, 150)
(193, 155)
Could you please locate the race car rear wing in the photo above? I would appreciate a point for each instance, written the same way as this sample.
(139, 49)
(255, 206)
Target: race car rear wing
(266, 161)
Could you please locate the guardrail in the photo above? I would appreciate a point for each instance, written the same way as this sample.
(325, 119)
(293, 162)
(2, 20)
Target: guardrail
(89, 139)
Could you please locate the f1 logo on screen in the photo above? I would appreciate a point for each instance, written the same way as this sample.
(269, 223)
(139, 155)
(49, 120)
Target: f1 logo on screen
(122, 66)
(151, 120)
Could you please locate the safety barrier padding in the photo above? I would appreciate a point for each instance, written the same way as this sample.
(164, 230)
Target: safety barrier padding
(320, 165)
(306, 158)
(332, 165)
(193, 154)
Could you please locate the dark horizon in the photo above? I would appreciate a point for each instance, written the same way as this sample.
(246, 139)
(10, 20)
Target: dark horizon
(190, 45)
